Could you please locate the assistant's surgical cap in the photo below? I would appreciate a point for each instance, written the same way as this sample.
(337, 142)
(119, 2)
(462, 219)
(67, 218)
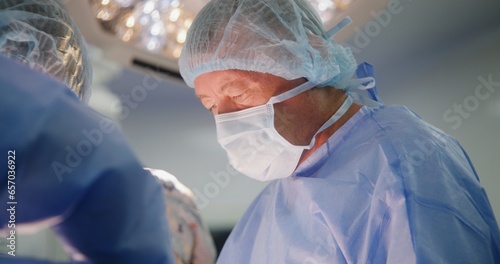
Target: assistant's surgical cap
(285, 38)
(41, 34)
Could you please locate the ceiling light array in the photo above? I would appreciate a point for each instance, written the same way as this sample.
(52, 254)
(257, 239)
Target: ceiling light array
(160, 26)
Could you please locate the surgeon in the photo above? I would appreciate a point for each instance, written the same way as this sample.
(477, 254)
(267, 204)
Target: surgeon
(350, 179)
(69, 168)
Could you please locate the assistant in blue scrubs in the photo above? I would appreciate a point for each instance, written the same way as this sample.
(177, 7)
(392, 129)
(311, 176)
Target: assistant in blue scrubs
(75, 172)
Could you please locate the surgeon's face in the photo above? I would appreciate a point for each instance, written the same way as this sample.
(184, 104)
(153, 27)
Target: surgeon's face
(233, 90)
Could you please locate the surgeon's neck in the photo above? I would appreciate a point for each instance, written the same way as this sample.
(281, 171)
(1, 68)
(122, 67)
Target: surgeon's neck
(324, 135)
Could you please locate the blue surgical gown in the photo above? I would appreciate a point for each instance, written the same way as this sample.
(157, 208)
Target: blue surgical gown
(75, 172)
(385, 188)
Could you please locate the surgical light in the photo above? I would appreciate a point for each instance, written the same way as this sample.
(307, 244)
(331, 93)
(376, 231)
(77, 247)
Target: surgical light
(158, 26)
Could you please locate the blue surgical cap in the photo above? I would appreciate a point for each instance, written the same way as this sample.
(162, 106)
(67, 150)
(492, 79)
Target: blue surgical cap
(41, 34)
(285, 38)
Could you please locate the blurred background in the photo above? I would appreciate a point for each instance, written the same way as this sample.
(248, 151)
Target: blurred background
(439, 58)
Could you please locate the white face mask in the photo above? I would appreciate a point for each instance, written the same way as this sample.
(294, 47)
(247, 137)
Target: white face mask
(253, 145)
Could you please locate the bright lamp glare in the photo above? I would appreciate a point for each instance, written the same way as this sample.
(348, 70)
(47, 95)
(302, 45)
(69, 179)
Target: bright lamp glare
(160, 26)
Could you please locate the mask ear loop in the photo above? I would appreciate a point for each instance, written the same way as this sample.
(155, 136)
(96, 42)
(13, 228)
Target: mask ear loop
(308, 85)
(364, 72)
(291, 93)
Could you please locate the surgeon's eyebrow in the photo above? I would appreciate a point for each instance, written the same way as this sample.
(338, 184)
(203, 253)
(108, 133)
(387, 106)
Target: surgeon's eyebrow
(224, 87)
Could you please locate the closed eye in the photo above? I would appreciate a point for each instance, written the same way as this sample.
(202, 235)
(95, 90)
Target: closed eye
(240, 98)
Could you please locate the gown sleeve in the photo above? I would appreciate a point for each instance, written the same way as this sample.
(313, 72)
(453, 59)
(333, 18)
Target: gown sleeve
(73, 171)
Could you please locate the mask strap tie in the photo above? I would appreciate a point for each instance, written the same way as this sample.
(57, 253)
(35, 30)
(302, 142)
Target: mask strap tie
(365, 70)
(365, 81)
(341, 25)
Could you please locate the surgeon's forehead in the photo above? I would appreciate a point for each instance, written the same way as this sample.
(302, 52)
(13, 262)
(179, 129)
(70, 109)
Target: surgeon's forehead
(221, 81)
